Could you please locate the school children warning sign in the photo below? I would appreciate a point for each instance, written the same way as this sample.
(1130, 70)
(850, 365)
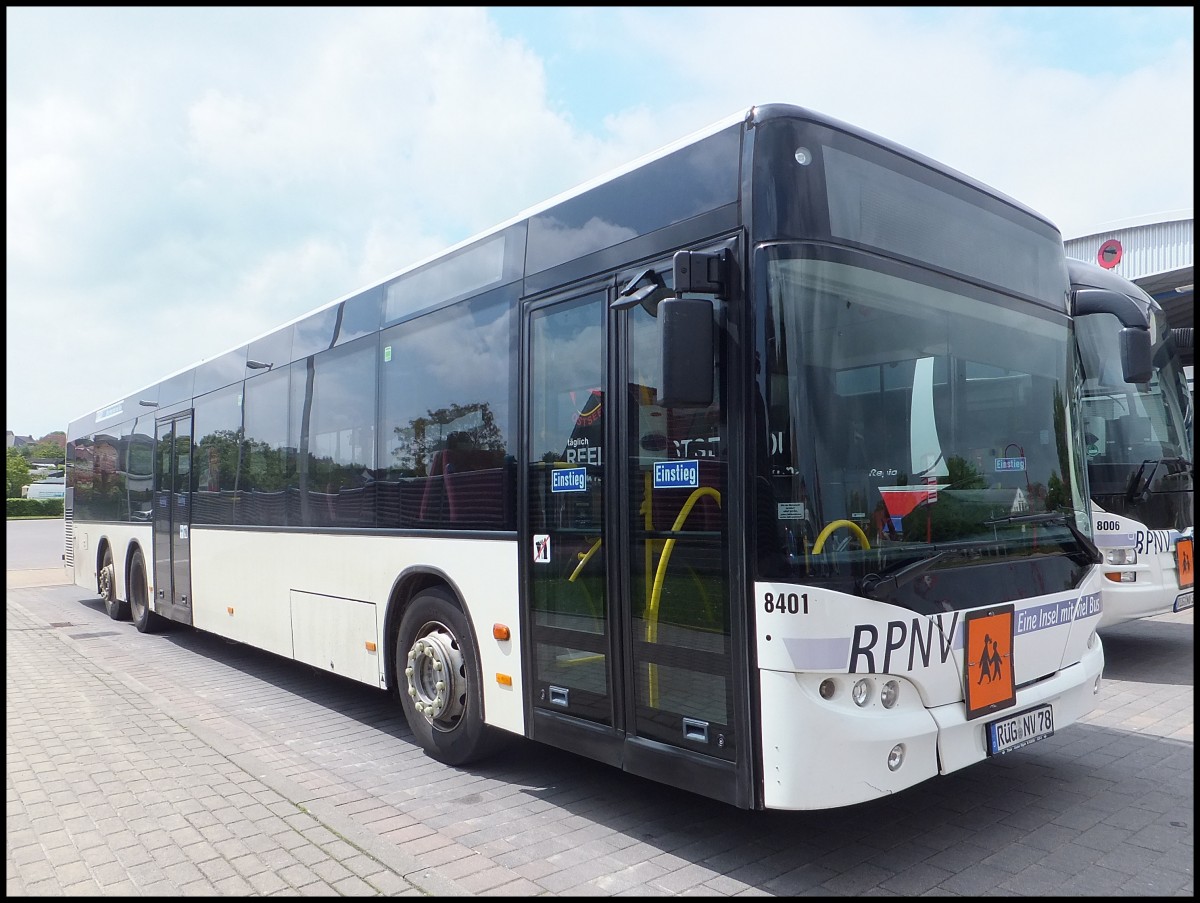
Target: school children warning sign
(988, 661)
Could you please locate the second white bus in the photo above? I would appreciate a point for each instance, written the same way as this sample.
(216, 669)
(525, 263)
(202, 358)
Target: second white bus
(1138, 429)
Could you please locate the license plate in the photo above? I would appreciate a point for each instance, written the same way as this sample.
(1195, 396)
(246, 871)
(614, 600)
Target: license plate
(1020, 730)
(1184, 601)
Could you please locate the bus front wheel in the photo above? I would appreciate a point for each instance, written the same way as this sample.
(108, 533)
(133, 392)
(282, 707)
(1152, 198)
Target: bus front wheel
(106, 583)
(144, 619)
(440, 681)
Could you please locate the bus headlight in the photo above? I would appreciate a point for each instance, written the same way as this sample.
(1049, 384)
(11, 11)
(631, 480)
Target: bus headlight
(861, 692)
(896, 757)
(890, 694)
(827, 688)
(1121, 555)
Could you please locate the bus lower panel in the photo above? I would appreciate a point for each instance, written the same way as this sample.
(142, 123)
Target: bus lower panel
(181, 614)
(684, 769)
(596, 741)
(649, 759)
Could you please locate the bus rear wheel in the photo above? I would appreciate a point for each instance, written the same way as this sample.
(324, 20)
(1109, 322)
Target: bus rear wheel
(440, 681)
(144, 619)
(106, 583)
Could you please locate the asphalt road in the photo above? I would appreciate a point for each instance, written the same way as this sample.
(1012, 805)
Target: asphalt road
(34, 544)
(181, 763)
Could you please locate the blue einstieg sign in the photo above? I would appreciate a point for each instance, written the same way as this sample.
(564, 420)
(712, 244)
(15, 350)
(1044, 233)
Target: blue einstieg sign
(676, 474)
(1003, 464)
(569, 479)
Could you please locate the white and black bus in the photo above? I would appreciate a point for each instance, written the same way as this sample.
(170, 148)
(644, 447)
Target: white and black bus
(1140, 448)
(754, 468)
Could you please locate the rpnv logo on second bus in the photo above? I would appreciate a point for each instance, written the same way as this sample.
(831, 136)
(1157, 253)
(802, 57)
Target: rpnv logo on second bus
(676, 474)
(568, 479)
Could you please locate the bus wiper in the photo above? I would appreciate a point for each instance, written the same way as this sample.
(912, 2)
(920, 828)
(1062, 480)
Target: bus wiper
(1133, 493)
(1065, 517)
(1138, 491)
(876, 586)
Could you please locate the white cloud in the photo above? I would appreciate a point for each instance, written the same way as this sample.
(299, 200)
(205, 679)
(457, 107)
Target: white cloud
(181, 180)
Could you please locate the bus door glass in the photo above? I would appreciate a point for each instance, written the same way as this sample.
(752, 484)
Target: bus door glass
(677, 590)
(172, 517)
(629, 602)
(569, 594)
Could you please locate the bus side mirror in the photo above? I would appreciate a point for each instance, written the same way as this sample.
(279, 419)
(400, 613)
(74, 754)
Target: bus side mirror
(1137, 365)
(1137, 361)
(686, 332)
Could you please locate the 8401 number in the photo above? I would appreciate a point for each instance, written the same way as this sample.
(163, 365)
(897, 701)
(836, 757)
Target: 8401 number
(785, 603)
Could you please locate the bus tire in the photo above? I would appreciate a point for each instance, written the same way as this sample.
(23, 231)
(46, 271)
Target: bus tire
(144, 619)
(106, 584)
(440, 680)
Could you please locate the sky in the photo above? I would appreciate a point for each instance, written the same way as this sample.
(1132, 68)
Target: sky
(184, 179)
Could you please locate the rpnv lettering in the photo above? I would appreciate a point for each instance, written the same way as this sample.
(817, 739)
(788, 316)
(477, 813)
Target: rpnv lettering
(917, 643)
(1154, 541)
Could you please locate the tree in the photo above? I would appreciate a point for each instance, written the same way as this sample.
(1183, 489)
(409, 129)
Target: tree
(425, 435)
(18, 473)
(48, 450)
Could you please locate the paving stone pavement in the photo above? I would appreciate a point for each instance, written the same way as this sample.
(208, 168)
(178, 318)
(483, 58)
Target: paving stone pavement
(184, 764)
(110, 795)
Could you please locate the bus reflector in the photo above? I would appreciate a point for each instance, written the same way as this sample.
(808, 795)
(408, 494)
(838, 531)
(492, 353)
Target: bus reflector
(501, 632)
(230, 610)
(370, 646)
(503, 679)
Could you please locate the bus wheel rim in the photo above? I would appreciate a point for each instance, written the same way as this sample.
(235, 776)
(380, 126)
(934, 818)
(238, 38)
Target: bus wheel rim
(107, 577)
(435, 677)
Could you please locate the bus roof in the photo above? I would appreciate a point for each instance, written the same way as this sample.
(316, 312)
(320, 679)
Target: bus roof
(751, 116)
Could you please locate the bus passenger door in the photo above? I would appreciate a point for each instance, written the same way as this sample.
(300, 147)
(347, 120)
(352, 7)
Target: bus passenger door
(672, 530)
(570, 618)
(172, 518)
(625, 554)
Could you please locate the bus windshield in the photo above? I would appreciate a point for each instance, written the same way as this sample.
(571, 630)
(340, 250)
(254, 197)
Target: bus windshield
(918, 430)
(1139, 436)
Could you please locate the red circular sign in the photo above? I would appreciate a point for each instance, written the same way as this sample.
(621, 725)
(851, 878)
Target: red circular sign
(1109, 254)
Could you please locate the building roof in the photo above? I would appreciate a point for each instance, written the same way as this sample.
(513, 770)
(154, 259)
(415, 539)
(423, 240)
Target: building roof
(1156, 252)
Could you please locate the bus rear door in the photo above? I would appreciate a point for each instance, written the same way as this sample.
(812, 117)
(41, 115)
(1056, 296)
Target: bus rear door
(172, 518)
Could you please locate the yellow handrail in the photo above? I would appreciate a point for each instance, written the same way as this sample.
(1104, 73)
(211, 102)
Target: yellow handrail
(660, 574)
(660, 577)
(584, 558)
(833, 525)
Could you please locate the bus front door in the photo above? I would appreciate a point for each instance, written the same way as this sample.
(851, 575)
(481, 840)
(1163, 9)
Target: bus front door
(625, 552)
(172, 518)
